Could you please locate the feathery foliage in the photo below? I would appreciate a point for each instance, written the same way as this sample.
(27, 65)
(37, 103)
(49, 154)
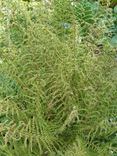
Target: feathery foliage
(58, 89)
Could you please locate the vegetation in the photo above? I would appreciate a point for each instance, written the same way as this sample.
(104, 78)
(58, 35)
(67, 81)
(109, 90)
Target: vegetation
(58, 78)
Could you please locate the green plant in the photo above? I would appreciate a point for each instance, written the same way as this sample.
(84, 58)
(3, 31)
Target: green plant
(66, 104)
(114, 30)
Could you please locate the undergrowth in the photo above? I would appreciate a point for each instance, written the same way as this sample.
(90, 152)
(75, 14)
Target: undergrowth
(58, 86)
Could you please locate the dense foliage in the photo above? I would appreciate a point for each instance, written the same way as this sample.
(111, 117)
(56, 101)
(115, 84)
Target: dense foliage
(58, 78)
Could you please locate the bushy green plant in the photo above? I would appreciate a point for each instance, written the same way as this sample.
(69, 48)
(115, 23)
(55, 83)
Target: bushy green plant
(91, 15)
(66, 104)
(114, 30)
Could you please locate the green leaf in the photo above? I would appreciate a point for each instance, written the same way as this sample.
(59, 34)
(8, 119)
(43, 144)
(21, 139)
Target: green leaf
(115, 9)
(114, 40)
